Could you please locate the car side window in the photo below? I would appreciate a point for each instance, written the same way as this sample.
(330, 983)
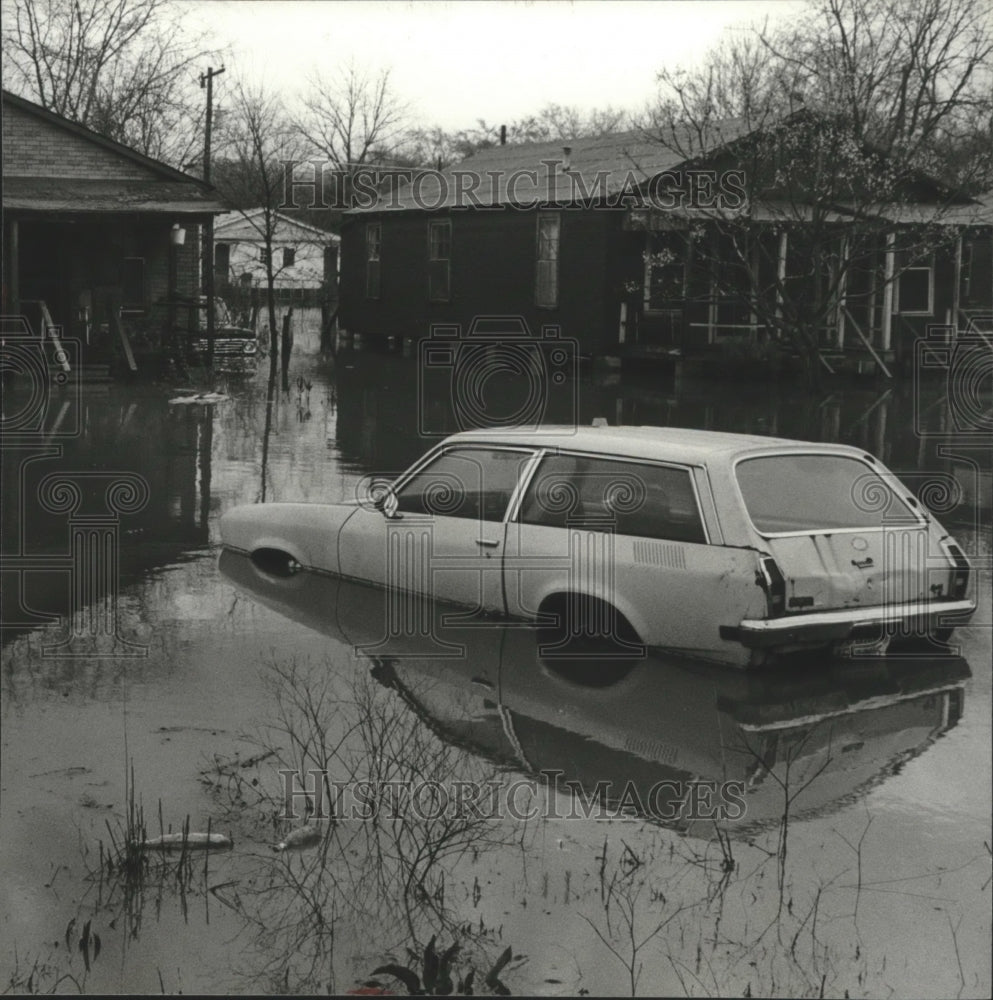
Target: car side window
(474, 483)
(628, 498)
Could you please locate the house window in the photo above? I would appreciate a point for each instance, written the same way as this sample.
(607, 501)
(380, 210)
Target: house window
(915, 285)
(222, 260)
(263, 255)
(546, 279)
(133, 284)
(439, 261)
(665, 274)
(289, 256)
(373, 249)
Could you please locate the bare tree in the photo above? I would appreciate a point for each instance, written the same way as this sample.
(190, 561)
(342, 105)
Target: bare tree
(353, 117)
(255, 141)
(907, 75)
(125, 68)
(833, 126)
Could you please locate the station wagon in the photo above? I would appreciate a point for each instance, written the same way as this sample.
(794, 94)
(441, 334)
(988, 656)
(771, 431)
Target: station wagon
(728, 547)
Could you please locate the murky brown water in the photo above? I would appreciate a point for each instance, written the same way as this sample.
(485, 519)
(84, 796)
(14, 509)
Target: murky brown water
(876, 884)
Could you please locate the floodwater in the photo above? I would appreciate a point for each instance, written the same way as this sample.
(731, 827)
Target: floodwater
(154, 687)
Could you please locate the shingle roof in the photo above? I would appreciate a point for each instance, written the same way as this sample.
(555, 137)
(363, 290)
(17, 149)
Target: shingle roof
(529, 173)
(74, 194)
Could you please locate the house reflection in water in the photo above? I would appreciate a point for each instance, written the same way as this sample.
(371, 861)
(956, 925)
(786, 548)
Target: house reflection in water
(913, 427)
(662, 738)
(117, 489)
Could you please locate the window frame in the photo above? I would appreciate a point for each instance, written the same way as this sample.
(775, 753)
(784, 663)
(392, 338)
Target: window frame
(688, 470)
(647, 307)
(289, 256)
(927, 263)
(891, 481)
(443, 226)
(530, 457)
(222, 248)
(547, 301)
(373, 260)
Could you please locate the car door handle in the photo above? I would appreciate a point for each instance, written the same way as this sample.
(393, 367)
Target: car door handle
(487, 543)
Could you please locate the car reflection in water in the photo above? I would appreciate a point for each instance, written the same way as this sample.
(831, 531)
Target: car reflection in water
(678, 742)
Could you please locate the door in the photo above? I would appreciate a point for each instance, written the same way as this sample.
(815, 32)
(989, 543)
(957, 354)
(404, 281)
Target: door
(446, 537)
(630, 535)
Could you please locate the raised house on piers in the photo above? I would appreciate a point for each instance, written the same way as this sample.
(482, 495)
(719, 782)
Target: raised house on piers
(638, 251)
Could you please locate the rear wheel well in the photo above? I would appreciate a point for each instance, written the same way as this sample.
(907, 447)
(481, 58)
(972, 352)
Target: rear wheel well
(593, 612)
(597, 650)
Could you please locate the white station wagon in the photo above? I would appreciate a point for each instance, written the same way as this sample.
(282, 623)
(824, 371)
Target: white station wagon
(727, 547)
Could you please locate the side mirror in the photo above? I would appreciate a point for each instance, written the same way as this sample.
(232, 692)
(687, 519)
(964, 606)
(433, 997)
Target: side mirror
(389, 505)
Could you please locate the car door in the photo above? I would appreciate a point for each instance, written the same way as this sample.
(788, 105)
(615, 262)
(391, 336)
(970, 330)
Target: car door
(445, 538)
(631, 534)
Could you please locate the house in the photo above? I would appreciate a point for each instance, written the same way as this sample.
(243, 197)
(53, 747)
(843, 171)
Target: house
(631, 248)
(100, 242)
(305, 264)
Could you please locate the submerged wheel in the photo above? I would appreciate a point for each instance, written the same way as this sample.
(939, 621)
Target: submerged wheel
(276, 562)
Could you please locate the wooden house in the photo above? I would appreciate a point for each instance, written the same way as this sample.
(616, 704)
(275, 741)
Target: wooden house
(633, 249)
(305, 264)
(101, 243)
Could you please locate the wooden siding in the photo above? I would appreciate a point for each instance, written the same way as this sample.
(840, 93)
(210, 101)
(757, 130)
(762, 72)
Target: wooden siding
(493, 256)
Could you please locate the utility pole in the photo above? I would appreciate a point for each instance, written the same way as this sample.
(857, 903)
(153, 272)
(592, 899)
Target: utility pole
(207, 80)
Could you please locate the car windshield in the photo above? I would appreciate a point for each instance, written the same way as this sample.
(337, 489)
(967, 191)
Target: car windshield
(785, 493)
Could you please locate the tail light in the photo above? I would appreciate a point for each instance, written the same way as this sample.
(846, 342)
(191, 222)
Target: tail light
(960, 574)
(772, 581)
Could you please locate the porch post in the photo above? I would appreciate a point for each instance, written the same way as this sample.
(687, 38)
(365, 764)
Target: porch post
(12, 303)
(886, 327)
(841, 290)
(781, 274)
(208, 277)
(753, 277)
(957, 286)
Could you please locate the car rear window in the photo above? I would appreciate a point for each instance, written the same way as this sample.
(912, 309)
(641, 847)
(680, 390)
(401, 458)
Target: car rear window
(626, 498)
(786, 493)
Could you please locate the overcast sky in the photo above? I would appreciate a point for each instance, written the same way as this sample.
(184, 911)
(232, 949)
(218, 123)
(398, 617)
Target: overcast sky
(456, 62)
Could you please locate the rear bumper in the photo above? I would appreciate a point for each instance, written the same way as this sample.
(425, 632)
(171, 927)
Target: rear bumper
(828, 626)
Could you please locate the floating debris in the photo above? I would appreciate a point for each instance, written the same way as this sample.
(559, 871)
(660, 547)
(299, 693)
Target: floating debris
(200, 397)
(306, 836)
(196, 841)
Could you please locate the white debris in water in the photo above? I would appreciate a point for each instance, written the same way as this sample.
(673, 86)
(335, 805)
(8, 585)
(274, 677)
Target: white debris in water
(200, 397)
(179, 841)
(306, 836)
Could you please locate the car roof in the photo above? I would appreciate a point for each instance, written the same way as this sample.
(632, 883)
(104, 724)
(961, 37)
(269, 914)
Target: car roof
(674, 444)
